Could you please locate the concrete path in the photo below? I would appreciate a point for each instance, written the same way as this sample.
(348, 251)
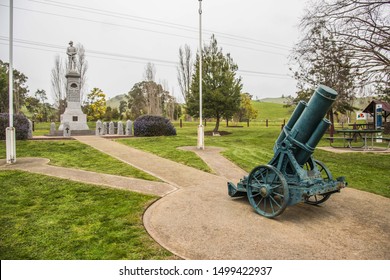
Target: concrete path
(40, 166)
(219, 164)
(200, 220)
(349, 150)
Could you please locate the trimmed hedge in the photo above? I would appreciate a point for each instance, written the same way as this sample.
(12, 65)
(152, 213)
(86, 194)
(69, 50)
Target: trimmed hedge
(20, 124)
(148, 125)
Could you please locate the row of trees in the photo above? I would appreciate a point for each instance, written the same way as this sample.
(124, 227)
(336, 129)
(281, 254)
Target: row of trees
(222, 94)
(145, 97)
(37, 104)
(149, 97)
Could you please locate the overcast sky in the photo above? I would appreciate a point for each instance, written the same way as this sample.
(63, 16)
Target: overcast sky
(121, 37)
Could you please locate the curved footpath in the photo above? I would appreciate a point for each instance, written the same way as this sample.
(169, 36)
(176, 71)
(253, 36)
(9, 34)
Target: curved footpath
(200, 221)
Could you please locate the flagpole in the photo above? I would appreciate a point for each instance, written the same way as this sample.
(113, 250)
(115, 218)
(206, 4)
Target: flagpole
(10, 131)
(200, 128)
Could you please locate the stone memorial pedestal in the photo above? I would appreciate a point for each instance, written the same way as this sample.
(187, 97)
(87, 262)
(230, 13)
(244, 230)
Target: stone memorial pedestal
(73, 115)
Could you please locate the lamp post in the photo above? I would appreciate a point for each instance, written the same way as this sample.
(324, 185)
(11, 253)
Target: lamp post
(10, 131)
(200, 127)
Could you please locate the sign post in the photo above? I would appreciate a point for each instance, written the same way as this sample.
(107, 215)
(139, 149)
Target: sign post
(378, 121)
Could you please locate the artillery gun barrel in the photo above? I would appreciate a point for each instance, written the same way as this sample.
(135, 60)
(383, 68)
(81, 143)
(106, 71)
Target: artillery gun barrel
(294, 117)
(311, 125)
(309, 128)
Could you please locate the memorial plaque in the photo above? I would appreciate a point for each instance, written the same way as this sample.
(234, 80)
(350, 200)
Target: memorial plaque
(73, 93)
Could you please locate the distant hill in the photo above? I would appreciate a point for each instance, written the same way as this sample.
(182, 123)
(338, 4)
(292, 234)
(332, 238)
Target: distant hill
(277, 100)
(114, 102)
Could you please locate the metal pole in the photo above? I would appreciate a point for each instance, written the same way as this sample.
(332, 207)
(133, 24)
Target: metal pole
(200, 62)
(10, 68)
(10, 131)
(200, 128)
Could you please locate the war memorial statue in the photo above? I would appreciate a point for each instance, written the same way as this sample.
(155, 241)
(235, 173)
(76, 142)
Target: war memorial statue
(71, 52)
(73, 115)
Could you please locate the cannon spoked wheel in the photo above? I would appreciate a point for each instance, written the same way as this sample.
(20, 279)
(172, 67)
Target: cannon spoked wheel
(326, 176)
(267, 191)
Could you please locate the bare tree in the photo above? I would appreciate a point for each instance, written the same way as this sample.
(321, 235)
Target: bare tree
(150, 72)
(152, 90)
(184, 70)
(82, 67)
(168, 101)
(169, 109)
(319, 59)
(58, 85)
(363, 27)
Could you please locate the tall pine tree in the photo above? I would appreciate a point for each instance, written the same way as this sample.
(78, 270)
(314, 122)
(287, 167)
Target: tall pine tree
(221, 88)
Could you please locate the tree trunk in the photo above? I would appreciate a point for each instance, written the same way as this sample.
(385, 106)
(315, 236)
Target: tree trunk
(216, 125)
(331, 119)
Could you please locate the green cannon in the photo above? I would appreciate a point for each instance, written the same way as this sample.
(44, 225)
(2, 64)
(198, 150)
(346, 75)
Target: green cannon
(293, 175)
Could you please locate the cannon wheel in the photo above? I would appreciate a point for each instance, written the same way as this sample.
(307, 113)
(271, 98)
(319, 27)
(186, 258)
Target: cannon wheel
(326, 175)
(267, 191)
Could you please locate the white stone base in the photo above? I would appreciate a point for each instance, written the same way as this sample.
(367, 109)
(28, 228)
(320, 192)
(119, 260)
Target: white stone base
(75, 117)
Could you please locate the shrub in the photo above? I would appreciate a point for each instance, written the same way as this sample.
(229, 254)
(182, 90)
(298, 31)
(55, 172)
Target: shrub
(148, 125)
(20, 125)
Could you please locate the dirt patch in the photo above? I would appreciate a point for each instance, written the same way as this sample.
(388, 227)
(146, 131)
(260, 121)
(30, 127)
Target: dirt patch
(221, 133)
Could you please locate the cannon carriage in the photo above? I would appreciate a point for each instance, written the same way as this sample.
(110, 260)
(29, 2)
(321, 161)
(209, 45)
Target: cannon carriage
(293, 175)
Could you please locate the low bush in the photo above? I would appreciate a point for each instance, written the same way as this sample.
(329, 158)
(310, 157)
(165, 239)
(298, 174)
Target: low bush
(148, 125)
(20, 125)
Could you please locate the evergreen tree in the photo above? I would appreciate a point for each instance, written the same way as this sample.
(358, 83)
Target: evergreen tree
(20, 88)
(221, 87)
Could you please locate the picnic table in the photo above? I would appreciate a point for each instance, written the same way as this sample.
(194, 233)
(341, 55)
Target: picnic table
(362, 125)
(366, 135)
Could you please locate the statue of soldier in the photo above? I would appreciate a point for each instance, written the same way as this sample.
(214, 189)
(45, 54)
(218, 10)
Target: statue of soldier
(71, 51)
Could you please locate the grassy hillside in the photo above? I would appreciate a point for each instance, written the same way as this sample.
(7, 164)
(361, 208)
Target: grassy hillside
(114, 102)
(271, 111)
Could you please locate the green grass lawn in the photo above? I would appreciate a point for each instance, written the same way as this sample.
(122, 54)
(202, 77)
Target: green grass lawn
(252, 146)
(48, 218)
(76, 155)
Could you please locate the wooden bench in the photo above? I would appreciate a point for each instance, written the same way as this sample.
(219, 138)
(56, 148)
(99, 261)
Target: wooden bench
(345, 139)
